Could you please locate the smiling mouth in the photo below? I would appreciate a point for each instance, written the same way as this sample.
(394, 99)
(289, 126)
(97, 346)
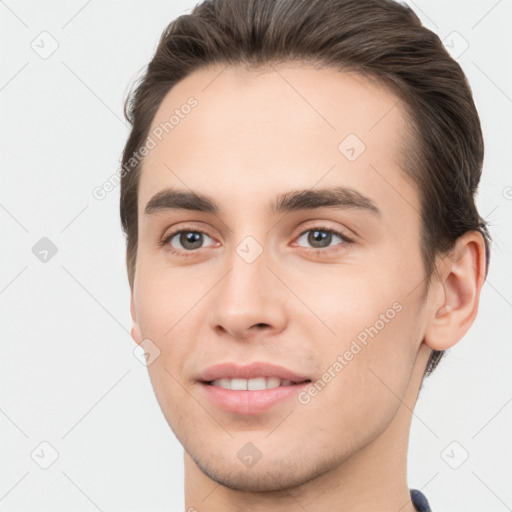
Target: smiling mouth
(254, 384)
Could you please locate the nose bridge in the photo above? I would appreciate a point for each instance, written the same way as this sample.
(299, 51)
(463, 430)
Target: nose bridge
(249, 293)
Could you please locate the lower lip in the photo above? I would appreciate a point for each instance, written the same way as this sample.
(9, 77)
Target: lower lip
(251, 402)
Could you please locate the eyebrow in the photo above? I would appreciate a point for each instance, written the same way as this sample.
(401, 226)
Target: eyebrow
(295, 200)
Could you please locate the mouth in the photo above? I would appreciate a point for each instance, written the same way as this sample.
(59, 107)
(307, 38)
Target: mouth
(255, 384)
(252, 389)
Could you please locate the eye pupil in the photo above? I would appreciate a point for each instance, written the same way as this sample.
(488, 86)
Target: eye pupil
(192, 237)
(318, 236)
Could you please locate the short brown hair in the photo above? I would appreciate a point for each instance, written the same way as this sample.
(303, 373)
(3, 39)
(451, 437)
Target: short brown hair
(380, 39)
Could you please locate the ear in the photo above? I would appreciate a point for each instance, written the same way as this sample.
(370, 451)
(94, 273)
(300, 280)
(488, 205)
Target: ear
(136, 332)
(456, 292)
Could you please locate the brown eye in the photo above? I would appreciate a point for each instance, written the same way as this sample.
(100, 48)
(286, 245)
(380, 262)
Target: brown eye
(186, 240)
(320, 238)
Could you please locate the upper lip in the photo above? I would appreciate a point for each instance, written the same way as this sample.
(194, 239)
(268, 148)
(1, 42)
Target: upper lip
(251, 371)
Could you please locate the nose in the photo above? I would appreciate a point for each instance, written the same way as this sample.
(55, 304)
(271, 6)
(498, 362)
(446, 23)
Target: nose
(249, 299)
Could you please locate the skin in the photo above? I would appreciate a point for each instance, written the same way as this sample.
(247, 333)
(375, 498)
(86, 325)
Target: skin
(253, 135)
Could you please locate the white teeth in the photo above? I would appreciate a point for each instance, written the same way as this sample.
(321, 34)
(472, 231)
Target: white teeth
(255, 384)
(238, 384)
(273, 382)
(224, 383)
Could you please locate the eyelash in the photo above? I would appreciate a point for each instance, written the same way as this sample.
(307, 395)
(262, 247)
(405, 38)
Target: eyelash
(185, 254)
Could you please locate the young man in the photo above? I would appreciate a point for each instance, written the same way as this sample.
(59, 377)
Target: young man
(302, 245)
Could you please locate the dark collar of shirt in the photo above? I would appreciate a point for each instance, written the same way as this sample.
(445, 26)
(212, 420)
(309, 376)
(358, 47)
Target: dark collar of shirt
(419, 501)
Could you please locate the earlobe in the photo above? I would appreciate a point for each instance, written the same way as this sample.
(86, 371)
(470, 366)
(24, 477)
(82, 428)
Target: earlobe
(456, 292)
(135, 332)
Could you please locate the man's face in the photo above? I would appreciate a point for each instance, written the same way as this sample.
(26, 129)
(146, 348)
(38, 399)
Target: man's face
(247, 284)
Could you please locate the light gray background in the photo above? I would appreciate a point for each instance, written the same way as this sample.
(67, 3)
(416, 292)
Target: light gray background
(68, 375)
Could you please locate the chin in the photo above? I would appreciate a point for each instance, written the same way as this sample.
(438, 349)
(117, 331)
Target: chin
(266, 476)
(250, 480)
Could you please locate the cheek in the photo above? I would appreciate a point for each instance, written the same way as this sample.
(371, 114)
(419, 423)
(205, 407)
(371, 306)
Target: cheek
(352, 300)
(374, 322)
(159, 311)
(366, 375)
(160, 298)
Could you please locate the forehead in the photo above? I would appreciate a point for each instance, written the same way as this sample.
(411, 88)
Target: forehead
(275, 129)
